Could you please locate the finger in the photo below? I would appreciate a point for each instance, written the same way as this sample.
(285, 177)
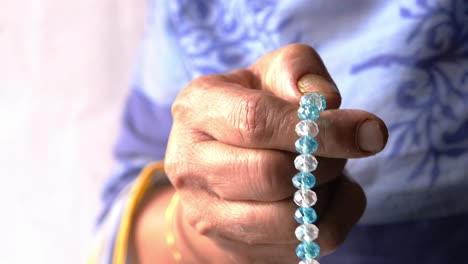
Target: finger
(350, 134)
(343, 210)
(237, 174)
(242, 174)
(245, 222)
(255, 119)
(294, 68)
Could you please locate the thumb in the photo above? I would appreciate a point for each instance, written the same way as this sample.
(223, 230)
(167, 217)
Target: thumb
(294, 69)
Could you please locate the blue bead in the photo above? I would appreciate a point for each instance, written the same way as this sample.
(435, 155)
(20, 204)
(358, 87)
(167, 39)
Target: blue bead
(305, 215)
(308, 250)
(306, 145)
(308, 112)
(304, 180)
(324, 103)
(314, 99)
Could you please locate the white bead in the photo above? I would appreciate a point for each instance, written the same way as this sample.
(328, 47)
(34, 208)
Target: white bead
(307, 128)
(309, 261)
(307, 233)
(305, 163)
(305, 198)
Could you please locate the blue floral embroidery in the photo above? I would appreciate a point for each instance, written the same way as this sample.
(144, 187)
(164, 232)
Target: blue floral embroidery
(219, 35)
(438, 87)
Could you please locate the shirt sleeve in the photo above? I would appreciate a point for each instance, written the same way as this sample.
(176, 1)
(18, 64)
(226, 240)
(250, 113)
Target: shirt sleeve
(113, 232)
(145, 126)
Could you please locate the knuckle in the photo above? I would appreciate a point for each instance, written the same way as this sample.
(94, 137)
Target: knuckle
(250, 119)
(203, 227)
(191, 95)
(291, 59)
(292, 51)
(181, 107)
(173, 170)
(179, 165)
(169, 164)
(197, 221)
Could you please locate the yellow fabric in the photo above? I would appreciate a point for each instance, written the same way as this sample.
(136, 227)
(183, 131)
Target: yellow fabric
(136, 195)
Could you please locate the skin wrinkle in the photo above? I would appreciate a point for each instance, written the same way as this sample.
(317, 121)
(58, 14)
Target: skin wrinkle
(288, 118)
(269, 119)
(245, 117)
(234, 164)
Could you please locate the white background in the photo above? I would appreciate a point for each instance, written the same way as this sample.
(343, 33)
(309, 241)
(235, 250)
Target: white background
(64, 71)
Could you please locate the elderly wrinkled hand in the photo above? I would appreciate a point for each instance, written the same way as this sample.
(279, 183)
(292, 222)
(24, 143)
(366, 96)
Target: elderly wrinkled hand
(231, 158)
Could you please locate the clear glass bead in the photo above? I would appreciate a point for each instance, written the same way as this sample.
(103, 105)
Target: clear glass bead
(308, 112)
(307, 128)
(305, 163)
(309, 261)
(307, 233)
(314, 99)
(305, 198)
(305, 215)
(308, 250)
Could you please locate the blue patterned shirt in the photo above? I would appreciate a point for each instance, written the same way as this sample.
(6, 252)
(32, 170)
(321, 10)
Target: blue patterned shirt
(405, 61)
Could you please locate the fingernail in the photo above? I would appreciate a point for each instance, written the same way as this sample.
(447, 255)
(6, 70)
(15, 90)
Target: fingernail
(371, 136)
(314, 83)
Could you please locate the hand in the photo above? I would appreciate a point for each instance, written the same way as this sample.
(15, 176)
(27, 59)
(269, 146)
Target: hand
(230, 157)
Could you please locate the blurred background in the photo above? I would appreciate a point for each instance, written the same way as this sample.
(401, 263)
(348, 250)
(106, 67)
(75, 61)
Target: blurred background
(64, 70)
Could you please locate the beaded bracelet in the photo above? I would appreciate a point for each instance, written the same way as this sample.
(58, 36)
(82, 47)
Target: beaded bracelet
(311, 105)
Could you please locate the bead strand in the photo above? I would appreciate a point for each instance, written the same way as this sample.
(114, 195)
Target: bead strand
(311, 105)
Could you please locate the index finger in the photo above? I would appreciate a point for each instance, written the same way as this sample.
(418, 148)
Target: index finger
(294, 69)
(256, 119)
